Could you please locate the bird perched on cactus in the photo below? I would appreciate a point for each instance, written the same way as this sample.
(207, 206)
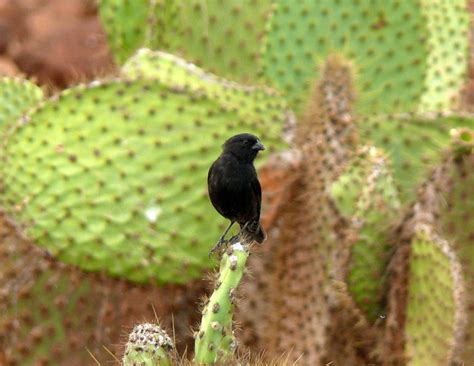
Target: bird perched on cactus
(234, 188)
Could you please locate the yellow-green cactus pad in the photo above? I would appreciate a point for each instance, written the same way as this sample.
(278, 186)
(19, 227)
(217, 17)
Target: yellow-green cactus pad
(112, 176)
(414, 143)
(16, 96)
(222, 36)
(408, 55)
(362, 174)
(247, 101)
(434, 305)
(126, 23)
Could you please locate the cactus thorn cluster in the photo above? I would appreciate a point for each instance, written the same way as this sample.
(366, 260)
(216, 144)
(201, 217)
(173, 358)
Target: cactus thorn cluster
(148, 345)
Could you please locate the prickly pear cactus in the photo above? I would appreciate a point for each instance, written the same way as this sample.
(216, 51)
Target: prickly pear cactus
(113, 175)
(408, 55)
(215, 341)
(366, 193)
(148, 345)
(434, 304)
(16, 96)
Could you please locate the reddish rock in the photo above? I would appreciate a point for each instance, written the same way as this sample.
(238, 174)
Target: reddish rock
(13, 26)
(276, 177)
(58, 42)
(7, 67)
(54, 17)
(67, 54)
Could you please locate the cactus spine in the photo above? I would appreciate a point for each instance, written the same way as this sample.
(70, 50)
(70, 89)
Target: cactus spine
(148, 345)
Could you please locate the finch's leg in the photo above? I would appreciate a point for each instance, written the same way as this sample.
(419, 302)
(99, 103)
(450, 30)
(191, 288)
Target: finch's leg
(234, 238)
(221, 239)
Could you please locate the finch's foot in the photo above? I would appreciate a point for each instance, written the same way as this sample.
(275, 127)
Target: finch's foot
(218, 245)
(235, 239)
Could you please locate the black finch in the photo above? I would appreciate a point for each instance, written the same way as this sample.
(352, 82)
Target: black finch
(234, 188)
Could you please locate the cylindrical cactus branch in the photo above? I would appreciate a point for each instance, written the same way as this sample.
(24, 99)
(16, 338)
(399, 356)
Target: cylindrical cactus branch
(456, 223)
(215, 341)
(148, 345)
(366, 194)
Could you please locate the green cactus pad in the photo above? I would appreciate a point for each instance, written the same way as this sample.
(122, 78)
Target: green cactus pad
(215, 341)
(16, 96)
(367, 193)
(112, 176)
(362, 174)
(45, 311)
(127, 24)
(414, 144)
(434, 306)
(248, 101)
(148, 345)
(222, 36)
(408, 55)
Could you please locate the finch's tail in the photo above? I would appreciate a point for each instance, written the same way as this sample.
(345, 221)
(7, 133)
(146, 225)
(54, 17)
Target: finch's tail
(254, 231)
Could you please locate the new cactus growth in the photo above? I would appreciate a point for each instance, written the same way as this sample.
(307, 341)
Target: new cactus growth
(215, 341)
(148, 345)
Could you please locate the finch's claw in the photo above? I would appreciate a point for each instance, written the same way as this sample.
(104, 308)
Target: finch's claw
(219, 244)
(234, 239)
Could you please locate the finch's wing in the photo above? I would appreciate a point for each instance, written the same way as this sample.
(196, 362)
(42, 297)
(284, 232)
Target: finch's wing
(257, 191)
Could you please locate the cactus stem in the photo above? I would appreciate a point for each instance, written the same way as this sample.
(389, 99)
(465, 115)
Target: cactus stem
(215, 341)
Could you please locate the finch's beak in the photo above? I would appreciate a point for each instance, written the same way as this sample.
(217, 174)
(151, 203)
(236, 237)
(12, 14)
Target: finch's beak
(258, 146)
